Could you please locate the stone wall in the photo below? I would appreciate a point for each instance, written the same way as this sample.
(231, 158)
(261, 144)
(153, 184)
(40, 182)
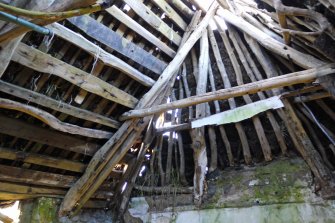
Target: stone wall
(281, 191)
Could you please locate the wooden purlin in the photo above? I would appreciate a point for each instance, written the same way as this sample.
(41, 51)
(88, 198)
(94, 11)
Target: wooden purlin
(20, 129)
(111, 39)
(84, 187)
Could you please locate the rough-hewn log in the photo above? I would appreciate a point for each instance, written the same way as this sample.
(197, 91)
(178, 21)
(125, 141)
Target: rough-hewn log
(113, 40)
(301, 59)
(60, 106)
(48, 6)
(290, 79)
(17, 128)
(104, 160)
(52, 121)
(96, 51)
(42, 62)
(198, 135)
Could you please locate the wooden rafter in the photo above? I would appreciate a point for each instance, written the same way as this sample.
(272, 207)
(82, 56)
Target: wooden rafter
(42, 62)
(96, 51)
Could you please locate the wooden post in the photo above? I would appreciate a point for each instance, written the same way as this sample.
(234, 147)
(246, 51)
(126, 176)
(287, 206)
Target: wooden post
(198, 135)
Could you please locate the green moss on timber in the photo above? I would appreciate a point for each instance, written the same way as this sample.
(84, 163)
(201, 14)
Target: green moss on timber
(45, 211)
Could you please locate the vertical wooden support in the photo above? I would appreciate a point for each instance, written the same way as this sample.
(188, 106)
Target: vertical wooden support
(198, 135)
(180, 139)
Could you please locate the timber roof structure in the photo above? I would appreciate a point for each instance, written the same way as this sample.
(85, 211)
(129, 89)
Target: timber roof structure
(104, 105)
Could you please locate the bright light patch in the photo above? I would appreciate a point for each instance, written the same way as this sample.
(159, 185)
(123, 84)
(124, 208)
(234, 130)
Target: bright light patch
(126, 8)
(163, 16)
(124, 187)
(12, 212)
(142, 170)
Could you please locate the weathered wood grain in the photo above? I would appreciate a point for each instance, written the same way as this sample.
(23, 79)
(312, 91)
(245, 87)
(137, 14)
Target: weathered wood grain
(42, 62)
(113, 40)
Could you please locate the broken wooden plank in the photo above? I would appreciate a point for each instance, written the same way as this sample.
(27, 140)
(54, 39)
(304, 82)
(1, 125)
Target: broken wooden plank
(240, 113)
(17, 128)
(116, 42)
(42, 62)
(136, 27)
(42, 160)
(52, 121)
(152, 19)
(290, 79)
(40, 99)
(96, 51)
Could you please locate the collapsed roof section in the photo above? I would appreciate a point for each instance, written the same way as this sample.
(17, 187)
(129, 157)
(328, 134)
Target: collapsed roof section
(82, 108)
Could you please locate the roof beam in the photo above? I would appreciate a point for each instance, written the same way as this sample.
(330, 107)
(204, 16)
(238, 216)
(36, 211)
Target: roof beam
(42, 62)
(20, 129)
